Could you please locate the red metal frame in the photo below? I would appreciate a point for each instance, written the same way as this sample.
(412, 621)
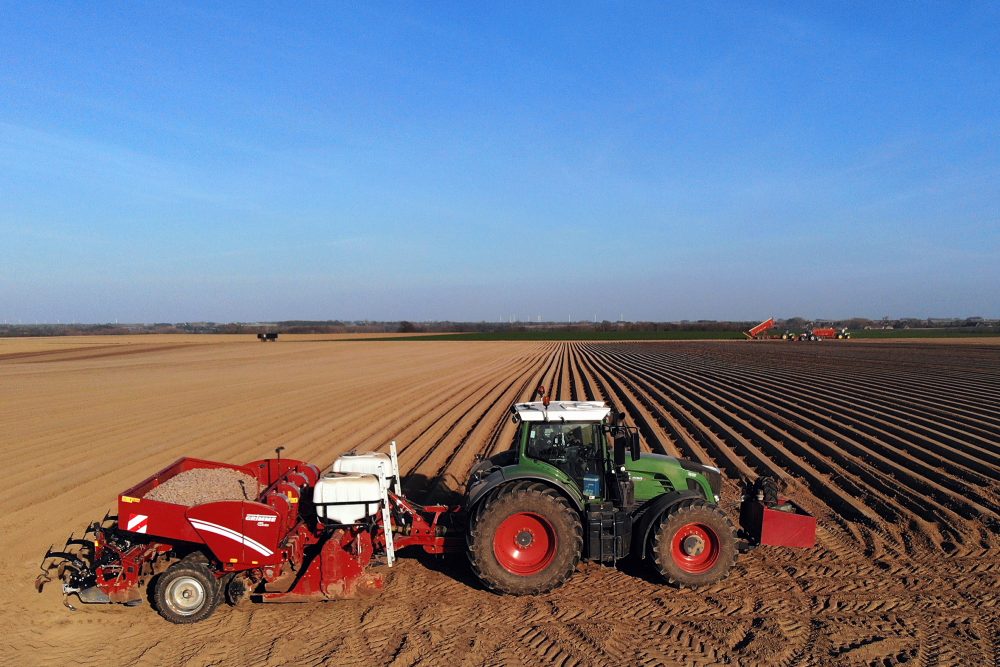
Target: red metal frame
(419, 531)
(337, 571)
(120, 580)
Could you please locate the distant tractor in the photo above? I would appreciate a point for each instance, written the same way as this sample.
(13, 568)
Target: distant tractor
(269, 337)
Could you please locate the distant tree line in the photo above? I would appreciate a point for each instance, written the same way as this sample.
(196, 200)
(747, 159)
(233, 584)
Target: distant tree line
(405, 326)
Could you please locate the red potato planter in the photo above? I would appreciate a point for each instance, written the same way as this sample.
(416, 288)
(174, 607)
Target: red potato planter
(288, 544)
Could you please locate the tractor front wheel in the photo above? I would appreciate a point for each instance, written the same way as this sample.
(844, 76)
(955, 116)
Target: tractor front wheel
(186, 593)
(694, 544)
(524, 539)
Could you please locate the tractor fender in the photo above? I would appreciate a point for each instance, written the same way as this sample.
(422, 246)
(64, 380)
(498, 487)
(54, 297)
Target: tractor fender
(497, 478)
(649, 515)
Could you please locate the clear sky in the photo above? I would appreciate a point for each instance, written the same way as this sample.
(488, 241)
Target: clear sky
(473, 161)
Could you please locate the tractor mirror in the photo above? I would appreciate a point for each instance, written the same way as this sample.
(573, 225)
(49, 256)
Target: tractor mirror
(634, 445)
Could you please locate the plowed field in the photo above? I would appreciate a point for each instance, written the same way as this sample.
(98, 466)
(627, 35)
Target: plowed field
(894, 447)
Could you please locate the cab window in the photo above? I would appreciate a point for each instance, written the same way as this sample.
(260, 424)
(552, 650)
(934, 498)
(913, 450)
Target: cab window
(573, 448)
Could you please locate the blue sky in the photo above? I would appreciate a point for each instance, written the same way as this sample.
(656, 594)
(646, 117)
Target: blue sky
(464, 161)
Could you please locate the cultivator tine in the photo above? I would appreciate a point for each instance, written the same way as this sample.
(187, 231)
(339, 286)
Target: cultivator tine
(100, 525)
(76, 560)
(81, 556)
(67, 559)
(44, 577)
(66, 555)
(61, 561)
(94, 527)
(81, 542)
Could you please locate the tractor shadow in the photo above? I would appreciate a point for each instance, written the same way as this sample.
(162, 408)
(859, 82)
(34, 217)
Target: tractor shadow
(455, 566)
(639, 568)
(431, 491)
(426, 490)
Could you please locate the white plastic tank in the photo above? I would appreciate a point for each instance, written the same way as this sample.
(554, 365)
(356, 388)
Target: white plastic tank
(361, 492)
(369, 463)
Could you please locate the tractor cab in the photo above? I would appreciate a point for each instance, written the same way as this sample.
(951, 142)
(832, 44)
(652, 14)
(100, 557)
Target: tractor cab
(586, 449)
(582, 441)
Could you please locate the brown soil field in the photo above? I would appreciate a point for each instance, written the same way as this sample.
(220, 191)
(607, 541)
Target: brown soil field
(23, 346)
(894, 447)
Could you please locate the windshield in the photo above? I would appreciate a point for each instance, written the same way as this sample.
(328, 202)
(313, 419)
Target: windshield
(571, 447)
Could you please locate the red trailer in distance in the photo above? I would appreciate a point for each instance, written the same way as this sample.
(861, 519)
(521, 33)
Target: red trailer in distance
(755, 332)
(819, 333)
(829, 333)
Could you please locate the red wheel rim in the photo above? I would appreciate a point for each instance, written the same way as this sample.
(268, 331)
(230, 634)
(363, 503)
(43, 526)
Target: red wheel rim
(524, 543)
(695, 548)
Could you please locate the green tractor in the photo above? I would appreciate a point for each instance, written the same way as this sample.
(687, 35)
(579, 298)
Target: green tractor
(576, 487)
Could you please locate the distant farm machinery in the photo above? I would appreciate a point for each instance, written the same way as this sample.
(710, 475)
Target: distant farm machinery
(757, 332)
(818, 334)
(812, 335)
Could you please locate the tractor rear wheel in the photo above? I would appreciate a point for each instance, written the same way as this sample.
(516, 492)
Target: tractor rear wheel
(186, 593)
(694, 545)
(524, 539)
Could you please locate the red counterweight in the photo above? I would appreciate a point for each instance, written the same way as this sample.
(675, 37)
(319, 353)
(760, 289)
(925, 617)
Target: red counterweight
(770, 520)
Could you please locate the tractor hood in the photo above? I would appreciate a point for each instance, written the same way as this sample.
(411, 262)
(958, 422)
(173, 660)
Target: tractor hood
(652, 463)
(655, 474)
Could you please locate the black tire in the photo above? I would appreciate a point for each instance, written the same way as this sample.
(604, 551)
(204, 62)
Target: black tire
(524, 538)
(693, 545)
(187, 592)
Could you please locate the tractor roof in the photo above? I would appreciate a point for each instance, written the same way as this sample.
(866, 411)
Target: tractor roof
(570, 411)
